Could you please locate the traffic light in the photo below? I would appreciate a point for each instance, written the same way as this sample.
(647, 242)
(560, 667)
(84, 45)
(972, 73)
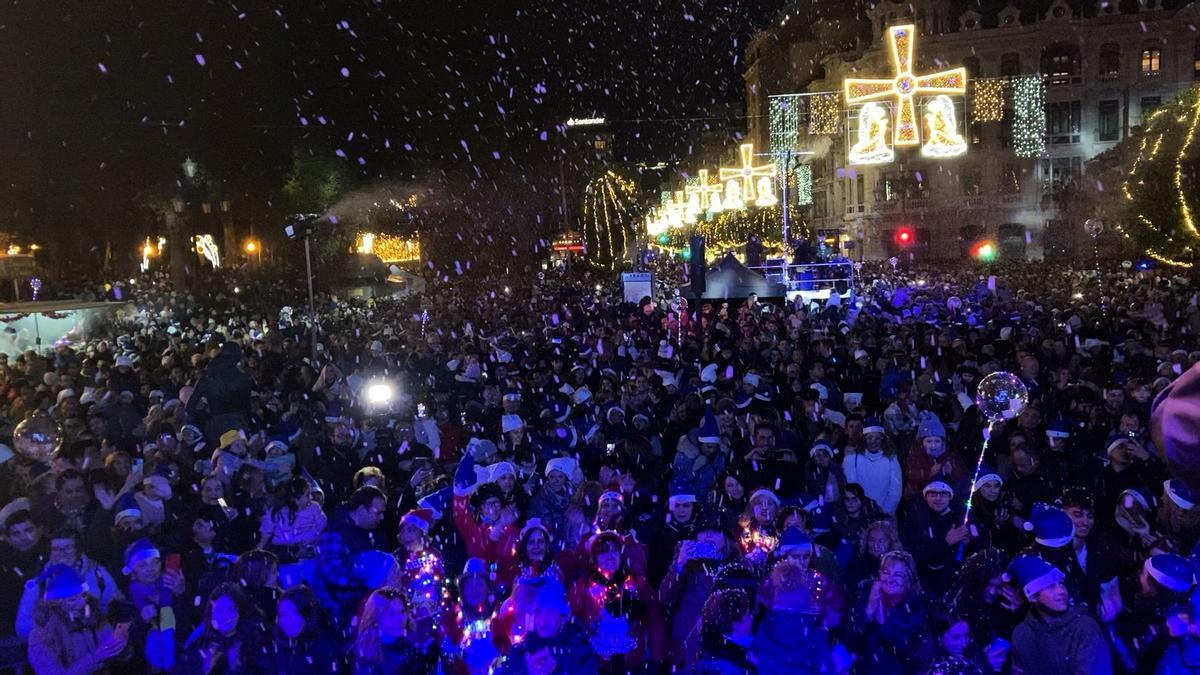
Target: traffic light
(984, 251)
(904, 236)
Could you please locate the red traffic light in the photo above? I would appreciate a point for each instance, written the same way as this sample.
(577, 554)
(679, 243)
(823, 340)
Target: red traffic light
(904, 236)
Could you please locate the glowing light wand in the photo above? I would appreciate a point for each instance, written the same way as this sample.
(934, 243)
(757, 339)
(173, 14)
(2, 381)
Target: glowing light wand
(1000, 397)
(987, 438)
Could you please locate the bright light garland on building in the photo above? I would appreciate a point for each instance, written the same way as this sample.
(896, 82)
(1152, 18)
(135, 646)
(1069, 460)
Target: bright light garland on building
(988, 105)
(804, 185)
(783, 114)
(825, 114)
(942, 121)
(707, 194)
(389, 247)
(873, 145)
(1029, 116)
(904, 86)
(744, 183)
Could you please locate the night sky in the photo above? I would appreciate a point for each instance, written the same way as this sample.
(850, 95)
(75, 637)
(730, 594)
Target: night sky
(100, 101)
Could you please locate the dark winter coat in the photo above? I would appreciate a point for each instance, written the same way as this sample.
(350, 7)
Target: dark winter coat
(924, 534)
(315, 657)
(890, 647)
(226, 389)
(793, 642)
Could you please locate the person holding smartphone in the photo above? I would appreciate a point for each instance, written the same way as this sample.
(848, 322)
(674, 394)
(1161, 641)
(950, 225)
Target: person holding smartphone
(71, 633)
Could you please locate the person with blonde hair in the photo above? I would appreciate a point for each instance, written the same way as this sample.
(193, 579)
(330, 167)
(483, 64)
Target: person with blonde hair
(382, 637)
(888, 622)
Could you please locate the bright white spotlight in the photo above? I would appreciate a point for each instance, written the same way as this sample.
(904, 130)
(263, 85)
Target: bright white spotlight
(380, 393)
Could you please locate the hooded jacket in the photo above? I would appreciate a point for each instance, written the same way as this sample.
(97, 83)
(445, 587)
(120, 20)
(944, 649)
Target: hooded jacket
(225, 387)
(1068, 644)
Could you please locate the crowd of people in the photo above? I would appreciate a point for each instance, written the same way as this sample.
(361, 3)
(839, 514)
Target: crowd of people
(551, 480)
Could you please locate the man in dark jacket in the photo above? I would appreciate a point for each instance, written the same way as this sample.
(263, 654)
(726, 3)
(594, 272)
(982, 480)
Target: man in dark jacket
(22, 557)
(1055, 638)
(226, 391)
(351, 533)
(664, 533)
(933, 531)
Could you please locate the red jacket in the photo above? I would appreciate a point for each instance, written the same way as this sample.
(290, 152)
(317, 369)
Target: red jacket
(476, 535)
(649, 629)
(920, 468)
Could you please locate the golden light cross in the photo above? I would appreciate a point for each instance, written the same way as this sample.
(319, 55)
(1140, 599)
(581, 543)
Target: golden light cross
(905, 85)
(709, 194)
(748, 172)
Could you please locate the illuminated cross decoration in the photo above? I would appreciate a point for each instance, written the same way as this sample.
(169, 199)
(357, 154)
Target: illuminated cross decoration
(904, 86)
(748, 173)
(710, 194)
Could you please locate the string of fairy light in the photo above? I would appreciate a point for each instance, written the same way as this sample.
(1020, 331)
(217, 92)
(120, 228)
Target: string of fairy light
(389, 247)
(825, 114)
(609, 207)
(988, 105)
(785, 117)
(804, 185)
(1155, 189)
(731, 229)
(1029, 116)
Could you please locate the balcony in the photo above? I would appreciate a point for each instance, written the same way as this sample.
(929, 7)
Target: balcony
(902, 204)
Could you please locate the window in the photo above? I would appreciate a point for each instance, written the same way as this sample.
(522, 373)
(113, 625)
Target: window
(1064, 121)
(820, 205)
(1196, 61)
(820, 169)
(860, 189)
(1150, 104)
(1151, 62)
(1110, 61)
(889, 189)
(975, 133)
(971, 182)
(1058, 171)
(1110, 120)
(1010, 179)
(971, 63)
(1060, 64)
(1010, 65)
(600, 144)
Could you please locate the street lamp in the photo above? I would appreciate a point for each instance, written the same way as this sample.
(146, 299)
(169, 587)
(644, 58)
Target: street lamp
(255, 249)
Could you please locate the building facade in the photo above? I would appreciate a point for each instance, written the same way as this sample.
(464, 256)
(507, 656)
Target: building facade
(1103, 66)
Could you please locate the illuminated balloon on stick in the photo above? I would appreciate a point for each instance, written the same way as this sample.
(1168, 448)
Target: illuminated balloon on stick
(1001, 396)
